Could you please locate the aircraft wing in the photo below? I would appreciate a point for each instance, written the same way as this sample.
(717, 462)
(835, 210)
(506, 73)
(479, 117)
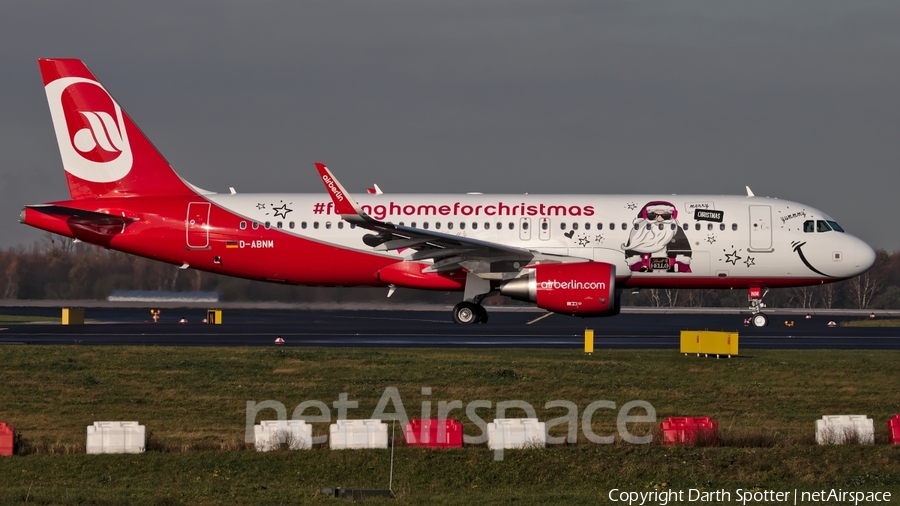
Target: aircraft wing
(449, 252)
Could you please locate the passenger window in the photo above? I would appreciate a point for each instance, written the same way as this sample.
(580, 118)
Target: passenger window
(243, 225)
(341, 224)
(544, 225)
(809, 226)
(612, 226)
(686, 226)
(425, 225)
(636, 226)
(437, 225)
(734, 226)
(352, 226)
(278, 224)
(587, 226)
(524, 225)
(254, 225)
(328, 224)
(696, 226)
(291, 225)
(487, 225)
(449, 225)
(721, 226)
(562, 226)
(709, 227)
(822, 226)
(625, 226)
(315, 224)
(462, 225)
(474, 225)
(575, 226)
(512, 225)
(649, 226)
(599, 226)
(303, 225)
(672, 226)
(413, 225)
(499, 226)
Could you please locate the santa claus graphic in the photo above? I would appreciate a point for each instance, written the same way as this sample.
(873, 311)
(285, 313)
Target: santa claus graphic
(656, 242)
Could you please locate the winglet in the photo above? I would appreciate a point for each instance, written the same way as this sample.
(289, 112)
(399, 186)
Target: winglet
(343, 202)
(749, 192)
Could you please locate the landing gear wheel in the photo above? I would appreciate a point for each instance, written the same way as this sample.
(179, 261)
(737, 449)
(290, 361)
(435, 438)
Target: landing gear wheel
(466, 312)
(482, 314)
(759, 320)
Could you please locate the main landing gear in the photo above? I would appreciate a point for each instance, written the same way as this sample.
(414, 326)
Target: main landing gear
(469, 312)
(757, 318)
(470, 309)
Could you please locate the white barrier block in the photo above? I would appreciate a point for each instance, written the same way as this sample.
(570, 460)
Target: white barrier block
(272, 434)
(355, 434)
(508, 433)
(837, 429)
(116, 437)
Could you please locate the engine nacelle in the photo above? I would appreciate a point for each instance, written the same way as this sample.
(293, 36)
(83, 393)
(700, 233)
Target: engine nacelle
(577, 289)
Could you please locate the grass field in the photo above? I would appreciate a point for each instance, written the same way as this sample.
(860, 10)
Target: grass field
(193, 402)
(11, 318)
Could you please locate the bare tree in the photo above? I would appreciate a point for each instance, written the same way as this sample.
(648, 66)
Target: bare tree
(672, 296)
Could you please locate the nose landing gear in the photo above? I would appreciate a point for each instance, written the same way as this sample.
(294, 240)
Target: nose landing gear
(757, 318)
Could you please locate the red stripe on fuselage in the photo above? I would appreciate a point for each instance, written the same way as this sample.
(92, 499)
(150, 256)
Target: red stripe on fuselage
(160, 234)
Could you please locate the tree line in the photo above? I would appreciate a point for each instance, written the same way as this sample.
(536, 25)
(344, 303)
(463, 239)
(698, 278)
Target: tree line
(58, 268)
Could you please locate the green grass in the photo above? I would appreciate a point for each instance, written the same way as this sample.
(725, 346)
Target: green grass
(9, 318)
(872, 323)
(193, 402)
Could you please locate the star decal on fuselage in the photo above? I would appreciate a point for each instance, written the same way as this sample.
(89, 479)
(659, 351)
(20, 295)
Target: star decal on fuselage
(281, 211)
(732, 257)
(750, 261)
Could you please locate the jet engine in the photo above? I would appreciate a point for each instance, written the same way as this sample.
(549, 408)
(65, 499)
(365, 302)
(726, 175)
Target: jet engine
(577, 289)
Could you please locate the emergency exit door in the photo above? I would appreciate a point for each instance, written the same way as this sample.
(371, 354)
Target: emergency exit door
(760, 228)
(197, 225)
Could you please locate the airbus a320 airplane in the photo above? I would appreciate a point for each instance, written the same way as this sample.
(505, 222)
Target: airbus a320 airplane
(571, 254)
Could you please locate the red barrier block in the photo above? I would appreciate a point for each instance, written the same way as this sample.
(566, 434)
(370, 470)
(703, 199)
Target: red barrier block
(687, 430)
(6, 439)
(434, 433)
(894, 430)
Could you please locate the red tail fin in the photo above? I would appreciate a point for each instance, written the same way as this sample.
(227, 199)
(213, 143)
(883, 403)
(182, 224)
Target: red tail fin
(103, 152)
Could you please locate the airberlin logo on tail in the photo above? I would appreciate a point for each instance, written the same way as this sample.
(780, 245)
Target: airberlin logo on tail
(338, 194)
(90, 130)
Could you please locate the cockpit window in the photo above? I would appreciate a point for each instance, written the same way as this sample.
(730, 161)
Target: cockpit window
(835, 226)
(809, 226)
(822, 226)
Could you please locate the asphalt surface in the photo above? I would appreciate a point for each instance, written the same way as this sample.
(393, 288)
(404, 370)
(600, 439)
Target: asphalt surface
(432, 329)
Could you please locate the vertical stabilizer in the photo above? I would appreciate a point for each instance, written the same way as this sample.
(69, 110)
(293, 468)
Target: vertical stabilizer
(103, 152)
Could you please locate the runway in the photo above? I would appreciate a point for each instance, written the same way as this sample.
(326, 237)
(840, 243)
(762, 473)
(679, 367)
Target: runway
(431, 329)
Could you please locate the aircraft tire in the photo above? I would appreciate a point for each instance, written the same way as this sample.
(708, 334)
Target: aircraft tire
(759, 320)
(466, 312)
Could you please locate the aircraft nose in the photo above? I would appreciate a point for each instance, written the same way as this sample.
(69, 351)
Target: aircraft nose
(864, 255)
